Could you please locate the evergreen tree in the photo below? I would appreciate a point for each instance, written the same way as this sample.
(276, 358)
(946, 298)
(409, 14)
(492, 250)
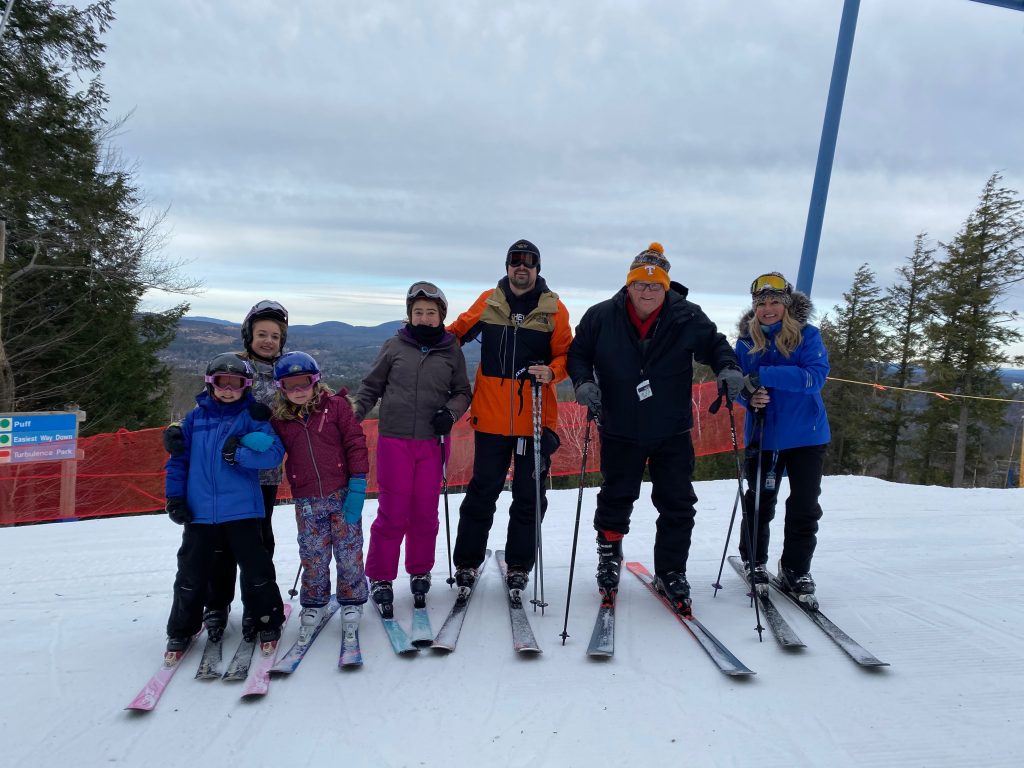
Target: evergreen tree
(905, 311)
(853, 337)
(968, 330)
(80, 250)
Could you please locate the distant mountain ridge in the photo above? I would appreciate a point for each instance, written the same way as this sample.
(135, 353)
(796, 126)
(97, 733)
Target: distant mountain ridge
(342, 350)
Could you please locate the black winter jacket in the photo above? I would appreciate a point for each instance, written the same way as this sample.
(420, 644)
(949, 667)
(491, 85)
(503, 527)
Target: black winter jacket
(607, 350)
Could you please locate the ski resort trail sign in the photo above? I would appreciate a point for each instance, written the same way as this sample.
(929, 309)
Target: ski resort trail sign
(41, 436)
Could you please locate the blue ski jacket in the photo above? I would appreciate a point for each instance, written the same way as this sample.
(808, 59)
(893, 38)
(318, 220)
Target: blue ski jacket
(218, 492)
(795, 417)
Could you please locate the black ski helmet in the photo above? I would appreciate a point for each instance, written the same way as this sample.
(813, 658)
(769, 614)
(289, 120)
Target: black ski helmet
(227, 362)
(265, 310)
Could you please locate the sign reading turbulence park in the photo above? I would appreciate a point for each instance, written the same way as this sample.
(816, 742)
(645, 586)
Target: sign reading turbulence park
(44, 436)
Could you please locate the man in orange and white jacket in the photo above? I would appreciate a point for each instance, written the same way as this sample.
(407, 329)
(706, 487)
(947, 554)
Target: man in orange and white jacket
(524, 331)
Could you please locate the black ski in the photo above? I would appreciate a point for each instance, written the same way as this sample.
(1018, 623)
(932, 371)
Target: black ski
(722, 656)
(238, 669)
(784, 633)
(851, 647)
(522, 634)
(602, 640)
(213, 653)
(448, 635)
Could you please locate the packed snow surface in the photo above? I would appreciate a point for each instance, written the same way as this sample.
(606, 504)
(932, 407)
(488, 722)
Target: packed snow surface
(928, 579)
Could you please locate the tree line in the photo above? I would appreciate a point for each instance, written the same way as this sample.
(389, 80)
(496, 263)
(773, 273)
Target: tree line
(942, 326)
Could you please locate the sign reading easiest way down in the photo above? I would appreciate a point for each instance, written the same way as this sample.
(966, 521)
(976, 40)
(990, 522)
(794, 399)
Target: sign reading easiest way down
(44, 436)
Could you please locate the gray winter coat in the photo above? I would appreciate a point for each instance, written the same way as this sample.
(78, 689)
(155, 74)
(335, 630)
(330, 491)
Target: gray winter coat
(412, 382)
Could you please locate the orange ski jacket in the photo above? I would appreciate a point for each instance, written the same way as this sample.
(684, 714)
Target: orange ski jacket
(502, 394)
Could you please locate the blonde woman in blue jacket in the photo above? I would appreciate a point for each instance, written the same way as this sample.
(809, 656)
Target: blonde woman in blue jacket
(787, 431)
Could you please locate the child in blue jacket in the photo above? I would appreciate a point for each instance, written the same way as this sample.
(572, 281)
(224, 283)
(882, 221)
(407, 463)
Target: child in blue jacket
(787, 431)
(213, 490)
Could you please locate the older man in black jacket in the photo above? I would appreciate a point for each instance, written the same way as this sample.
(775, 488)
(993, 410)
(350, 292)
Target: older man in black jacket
(631, 363)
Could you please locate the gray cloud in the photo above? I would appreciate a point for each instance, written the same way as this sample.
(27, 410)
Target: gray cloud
(360, 145)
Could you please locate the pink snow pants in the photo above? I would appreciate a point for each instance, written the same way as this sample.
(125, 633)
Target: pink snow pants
(409, 482)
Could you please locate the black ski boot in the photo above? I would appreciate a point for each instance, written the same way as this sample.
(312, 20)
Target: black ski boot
(249, 629)
(420, 585)
(383, 594)
(799, 585)
(516, 580)
(674, 586)
(609, 561)
(178, 644)
(216, 621)
(760, 577)
(466, 577)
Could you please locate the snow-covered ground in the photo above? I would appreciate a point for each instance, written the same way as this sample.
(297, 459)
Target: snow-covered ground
(929, 579)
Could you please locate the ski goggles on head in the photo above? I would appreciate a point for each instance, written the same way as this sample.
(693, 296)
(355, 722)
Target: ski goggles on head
(229, 382)
(300, 382)
(522, 259)
(772, 281)
(268, 307)
(424, 290)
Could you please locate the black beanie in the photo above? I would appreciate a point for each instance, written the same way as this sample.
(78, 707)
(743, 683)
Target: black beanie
(523, 246)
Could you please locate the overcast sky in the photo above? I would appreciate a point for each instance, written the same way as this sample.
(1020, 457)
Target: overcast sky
(328, 153)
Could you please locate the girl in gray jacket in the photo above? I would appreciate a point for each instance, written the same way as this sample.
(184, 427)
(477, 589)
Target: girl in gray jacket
(420, 379)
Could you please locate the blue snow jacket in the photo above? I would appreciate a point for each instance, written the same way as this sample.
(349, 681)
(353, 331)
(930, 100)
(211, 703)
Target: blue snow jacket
(218, 492)
(795, 417)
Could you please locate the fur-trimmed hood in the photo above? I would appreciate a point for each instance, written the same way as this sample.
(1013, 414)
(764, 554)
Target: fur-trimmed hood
(800, 310)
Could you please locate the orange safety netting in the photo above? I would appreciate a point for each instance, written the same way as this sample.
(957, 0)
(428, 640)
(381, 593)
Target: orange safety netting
(122, 473)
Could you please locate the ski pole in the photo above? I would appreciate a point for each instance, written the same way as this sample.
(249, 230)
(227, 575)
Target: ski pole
(447, 518)
(538, 563)
(576, 530)
(723, 393)
(293, 591)
(752, 535)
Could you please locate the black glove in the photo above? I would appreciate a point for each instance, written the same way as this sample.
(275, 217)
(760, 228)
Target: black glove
(442, 421)
(260, 412)
(178, 510)
(588, 394)
(751, 384)
(230, 446)
(174, 439)
(732, 379)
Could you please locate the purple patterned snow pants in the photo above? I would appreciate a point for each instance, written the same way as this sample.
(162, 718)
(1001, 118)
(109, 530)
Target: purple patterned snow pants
(323, 530)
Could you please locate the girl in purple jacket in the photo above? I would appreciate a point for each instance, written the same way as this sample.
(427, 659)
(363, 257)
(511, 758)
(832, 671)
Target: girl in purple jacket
(326, 468)
(420, 379)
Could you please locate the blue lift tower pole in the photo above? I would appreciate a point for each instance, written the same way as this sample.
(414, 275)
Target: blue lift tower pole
(830, 132)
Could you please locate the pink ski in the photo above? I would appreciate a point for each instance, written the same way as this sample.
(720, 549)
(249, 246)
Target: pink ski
(258, 682)
(147, 698)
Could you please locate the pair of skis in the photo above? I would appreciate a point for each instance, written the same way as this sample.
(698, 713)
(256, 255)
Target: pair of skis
(602, 640)
(257, 675)
(523, 639)
(785, 635)
(403, 643)
(349, 657)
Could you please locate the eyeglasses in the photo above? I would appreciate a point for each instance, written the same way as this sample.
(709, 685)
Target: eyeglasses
(424, 290)
(298, 383)
(640, 287)
(523, 260)
(269, 307)
(770, 282)
(229, 382)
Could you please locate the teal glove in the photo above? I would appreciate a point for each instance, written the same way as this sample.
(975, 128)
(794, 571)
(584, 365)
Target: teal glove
(257, 441)
(353, 504)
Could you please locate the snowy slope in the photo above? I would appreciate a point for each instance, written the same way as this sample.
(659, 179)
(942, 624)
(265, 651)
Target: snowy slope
(929, 579)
